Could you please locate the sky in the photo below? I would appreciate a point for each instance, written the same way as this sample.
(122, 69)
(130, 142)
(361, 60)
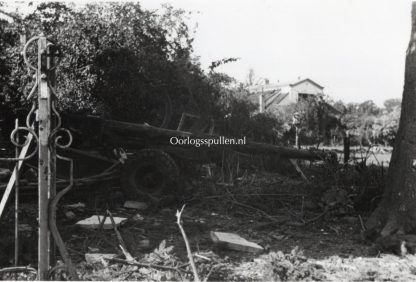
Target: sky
(354, 48)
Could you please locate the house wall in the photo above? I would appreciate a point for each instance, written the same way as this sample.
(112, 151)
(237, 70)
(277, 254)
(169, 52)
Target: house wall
(305, 87)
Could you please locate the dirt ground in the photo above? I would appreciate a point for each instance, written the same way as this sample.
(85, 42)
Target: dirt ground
(301, 240)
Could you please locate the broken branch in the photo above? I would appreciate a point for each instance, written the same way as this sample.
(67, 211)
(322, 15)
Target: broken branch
(135, 263)
(188, 247)
(122, 245)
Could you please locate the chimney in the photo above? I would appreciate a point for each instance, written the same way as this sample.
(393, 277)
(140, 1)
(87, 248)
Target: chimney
(266, 80)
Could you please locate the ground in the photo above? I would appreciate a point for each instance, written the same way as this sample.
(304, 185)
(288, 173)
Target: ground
(308, 232)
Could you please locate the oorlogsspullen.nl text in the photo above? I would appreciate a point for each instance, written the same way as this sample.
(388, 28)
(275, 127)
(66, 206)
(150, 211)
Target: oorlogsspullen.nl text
(197, 142)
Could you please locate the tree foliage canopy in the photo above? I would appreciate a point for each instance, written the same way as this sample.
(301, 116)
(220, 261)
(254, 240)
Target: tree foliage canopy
(118, 59)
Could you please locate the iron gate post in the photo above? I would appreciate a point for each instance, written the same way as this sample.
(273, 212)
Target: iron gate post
(44, 118)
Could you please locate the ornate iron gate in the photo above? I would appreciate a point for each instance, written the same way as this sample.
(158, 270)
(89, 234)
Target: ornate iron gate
(48, 137)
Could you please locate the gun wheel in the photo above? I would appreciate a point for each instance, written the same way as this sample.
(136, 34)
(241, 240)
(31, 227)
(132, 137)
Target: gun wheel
(150, 174)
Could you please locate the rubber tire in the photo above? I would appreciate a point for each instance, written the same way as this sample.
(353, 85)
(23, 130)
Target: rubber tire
(151, 174)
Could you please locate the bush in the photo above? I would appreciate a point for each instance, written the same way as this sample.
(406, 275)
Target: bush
(118, 60)
(240, 120)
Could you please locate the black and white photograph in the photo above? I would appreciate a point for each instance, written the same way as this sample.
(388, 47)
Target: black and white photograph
(208, 140)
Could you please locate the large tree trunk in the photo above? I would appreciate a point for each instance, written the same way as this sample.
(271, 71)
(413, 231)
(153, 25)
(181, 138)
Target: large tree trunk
(397, 210)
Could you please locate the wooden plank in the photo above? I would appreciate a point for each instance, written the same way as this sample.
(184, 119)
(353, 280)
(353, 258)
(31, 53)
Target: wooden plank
(10, 185)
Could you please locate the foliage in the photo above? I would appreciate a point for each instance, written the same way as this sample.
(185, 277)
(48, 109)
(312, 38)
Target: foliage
(118, 60)
(325, 121)
(122, 62)
(386, 126)
(218, 63)
(369, 124)
(316, 120)
(278, 266)
(391, 104)
(241, 120)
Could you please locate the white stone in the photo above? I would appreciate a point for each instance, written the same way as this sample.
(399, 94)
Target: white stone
(235, 242)
(93, 222)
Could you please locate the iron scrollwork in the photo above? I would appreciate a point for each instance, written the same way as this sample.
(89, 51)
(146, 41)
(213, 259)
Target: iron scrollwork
(56, 136)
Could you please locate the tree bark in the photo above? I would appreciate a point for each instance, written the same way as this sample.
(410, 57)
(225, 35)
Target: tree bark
(396, 212)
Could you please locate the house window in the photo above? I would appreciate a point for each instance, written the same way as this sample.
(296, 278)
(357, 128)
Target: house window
(305, 97)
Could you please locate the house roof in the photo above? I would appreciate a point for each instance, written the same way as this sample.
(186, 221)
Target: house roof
(269, 97)
(262, 88)
(278, 99)
(267, 87)
(309, 80)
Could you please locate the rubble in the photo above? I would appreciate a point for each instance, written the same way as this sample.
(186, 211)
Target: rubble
(235, 242)
(135, 205)
(137, 217)
(76, 206)
(70, 215)
(92, 258)
(144, 244)
(94, 222)
(5, 173)
(23, 227)
(94, 250)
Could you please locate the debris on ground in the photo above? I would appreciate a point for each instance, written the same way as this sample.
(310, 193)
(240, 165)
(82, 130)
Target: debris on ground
(135, 205)
(5, 173)
(260, 208)
(137, 217)
(95, 222)
(234, 242)
(70, 215)
(79, 205)
(97, 258)
(25, 227)
(144, 244)
(160, 265)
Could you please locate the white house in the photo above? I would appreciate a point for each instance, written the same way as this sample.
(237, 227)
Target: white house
(283, 94)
